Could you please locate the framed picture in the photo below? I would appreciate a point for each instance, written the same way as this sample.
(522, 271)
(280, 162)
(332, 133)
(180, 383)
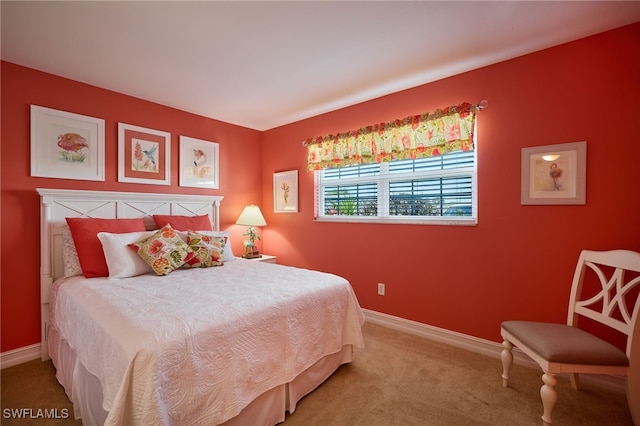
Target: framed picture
(65, 145)
(285, 192)
(554, 174)
(143, 155)
(198, 163)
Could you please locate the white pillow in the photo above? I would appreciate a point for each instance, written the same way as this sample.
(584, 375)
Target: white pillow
(121, 260)
(70, 259)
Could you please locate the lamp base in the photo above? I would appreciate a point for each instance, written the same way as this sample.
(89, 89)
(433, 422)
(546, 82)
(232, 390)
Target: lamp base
(251, 255)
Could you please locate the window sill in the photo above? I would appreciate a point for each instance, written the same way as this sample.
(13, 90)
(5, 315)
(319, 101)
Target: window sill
(469, 221)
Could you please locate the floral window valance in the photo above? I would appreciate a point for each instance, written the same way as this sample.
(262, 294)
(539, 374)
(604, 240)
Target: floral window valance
(426, 135)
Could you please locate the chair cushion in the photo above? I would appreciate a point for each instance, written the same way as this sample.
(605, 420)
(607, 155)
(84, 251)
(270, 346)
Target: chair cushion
(562, 343)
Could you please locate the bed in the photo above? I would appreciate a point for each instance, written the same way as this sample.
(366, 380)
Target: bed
(235, 344)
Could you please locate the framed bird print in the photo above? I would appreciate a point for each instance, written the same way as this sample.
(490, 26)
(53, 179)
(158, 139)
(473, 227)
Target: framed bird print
(198, 163)
(66, 145)
(143, 155)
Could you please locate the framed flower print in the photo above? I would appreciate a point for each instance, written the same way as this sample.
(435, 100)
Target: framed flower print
(554, 174)
(285, 192)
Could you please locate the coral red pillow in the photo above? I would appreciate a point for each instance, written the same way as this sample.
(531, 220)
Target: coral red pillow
(183, 223)
(85, 237)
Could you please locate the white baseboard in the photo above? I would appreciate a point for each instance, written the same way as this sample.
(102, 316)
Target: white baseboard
(20, 355)
(478, 345)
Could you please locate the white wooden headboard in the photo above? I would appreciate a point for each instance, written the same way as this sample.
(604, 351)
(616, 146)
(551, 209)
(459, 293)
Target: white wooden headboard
(58, 204)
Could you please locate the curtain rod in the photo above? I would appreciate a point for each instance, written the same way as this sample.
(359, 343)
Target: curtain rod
(479, 106)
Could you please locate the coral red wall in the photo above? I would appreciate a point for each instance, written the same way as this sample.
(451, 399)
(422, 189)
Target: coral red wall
(239, 176)
(518, 261)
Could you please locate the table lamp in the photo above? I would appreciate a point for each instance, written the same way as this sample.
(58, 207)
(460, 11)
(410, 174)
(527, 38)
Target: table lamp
(251, 216)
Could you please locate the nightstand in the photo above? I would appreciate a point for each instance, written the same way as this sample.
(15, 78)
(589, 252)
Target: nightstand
(266, 258)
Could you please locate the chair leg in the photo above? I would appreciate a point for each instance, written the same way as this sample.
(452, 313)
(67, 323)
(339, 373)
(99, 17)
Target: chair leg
(507, 361)
(549, 396)
(575, 381)
(633, 391)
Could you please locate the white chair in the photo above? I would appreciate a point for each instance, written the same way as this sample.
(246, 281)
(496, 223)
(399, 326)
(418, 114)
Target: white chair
(602, 290)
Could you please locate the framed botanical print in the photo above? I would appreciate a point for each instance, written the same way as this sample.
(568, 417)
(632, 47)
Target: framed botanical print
(285, 192)
(198, 163)
(143, 155)
(66, 145)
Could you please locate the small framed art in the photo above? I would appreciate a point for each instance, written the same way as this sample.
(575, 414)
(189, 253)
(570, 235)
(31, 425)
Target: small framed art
(554, 174)
(66, 145)
(144, 155)
(198, 163)
(285, 192)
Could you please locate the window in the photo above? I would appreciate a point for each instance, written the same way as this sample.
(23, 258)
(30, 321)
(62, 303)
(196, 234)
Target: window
(419, 169)
(439, 190)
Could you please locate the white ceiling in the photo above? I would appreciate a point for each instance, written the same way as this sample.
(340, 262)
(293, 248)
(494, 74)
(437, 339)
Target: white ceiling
(264, 64)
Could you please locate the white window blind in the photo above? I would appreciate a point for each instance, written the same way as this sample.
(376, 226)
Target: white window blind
(440, 190)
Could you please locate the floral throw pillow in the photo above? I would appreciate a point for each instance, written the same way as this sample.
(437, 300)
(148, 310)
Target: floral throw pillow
(207, 250)
(164, 251)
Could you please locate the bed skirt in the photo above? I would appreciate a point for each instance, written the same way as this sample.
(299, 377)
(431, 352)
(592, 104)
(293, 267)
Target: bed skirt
(85, 392)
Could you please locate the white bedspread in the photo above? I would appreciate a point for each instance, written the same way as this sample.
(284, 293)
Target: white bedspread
(198, 345)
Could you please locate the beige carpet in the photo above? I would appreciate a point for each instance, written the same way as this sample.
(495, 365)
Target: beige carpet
(399, 379)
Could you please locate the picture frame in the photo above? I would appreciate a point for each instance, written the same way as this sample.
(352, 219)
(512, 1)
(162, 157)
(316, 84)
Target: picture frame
(554, 174)
(199, 163)
(285, 192)
(144, 155)
(66, 145)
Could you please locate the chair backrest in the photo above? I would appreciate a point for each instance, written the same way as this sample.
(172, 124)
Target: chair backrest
(616, 304)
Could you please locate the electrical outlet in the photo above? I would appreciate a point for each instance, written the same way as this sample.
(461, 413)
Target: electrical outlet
(381, 289)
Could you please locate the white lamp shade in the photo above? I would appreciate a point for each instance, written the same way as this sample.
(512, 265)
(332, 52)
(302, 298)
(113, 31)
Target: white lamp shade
(251, 216)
